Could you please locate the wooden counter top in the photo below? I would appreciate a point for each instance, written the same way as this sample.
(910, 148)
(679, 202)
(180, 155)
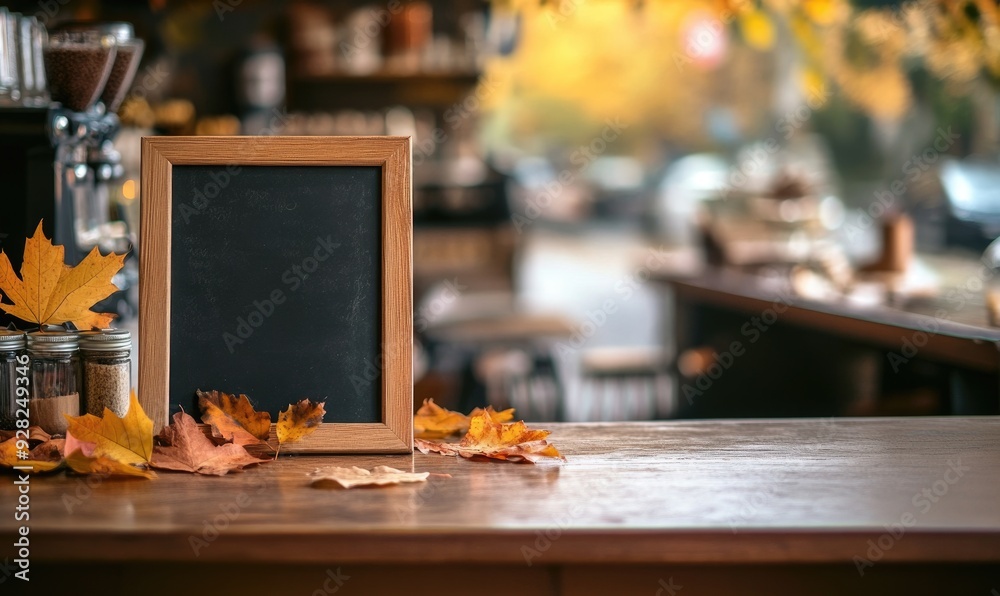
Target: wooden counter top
(959, 336)
(770, 491)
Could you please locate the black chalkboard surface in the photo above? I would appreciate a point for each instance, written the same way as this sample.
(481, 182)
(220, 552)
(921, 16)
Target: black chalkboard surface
(280, 267)
(268, 255)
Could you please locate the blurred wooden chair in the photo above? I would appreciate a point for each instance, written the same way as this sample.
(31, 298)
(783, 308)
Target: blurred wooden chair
(626, 384)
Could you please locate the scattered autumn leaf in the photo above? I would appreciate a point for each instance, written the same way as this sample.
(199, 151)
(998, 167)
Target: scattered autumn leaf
(51, 293)
(187, 449)
(496, 440)
(104, 466)
(234, 418)
(354, 476)
(35, 434)
(9, 459)
(50, 451)
(74, 444)
(434, 422)
(128, 440)
(299, 421)
(501, 416)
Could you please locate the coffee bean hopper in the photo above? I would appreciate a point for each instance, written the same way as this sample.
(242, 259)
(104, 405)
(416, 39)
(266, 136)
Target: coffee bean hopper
(56, 147)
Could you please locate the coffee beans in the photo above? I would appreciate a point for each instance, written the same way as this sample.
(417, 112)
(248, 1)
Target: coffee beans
(78, 71)
(122, 73)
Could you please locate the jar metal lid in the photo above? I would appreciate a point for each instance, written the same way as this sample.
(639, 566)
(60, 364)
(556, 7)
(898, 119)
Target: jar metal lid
(58, 342)
(11, 341)
(108, 340)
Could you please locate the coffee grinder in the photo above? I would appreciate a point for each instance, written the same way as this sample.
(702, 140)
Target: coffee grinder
(59, 161)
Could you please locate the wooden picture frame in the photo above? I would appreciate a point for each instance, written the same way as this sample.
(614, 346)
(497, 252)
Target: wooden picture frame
(160, 155)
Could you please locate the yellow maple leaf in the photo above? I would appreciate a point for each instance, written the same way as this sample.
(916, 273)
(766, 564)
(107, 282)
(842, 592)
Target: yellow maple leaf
(128, 440)
(299, 421)
(51, 293)
(496, 440)
(234, 418)
(104, 466)
(434, 422)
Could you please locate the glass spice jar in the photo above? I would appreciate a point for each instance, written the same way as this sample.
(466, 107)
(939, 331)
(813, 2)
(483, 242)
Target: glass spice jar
(54, 371)
(11, 346)
(107, 370)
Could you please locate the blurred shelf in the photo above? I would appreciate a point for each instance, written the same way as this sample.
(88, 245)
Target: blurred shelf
(379, 90)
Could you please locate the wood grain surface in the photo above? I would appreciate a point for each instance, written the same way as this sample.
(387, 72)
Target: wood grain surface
(735, 492)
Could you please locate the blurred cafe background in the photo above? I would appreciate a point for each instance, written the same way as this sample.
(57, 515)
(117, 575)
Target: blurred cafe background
(623, 209)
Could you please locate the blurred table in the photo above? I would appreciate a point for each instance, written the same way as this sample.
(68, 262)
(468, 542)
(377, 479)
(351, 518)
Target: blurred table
(723, 507)
(797, 345)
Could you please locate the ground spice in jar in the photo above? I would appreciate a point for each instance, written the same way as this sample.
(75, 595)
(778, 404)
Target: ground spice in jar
(107, 373)
(54, 371)
(48, 412)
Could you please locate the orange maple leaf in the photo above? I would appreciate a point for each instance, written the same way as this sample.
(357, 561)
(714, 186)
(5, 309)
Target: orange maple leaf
(496, 440)
(299, 420)
(434, 422)
(234, 418)
(51, 293)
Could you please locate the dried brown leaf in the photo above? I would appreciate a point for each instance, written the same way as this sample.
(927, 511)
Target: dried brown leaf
(187, 449)
(354, 476)
(299, 421)
(496, 440)
(234, 418)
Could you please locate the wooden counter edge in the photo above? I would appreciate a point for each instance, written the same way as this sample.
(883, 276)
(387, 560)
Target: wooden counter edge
(520, 546)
